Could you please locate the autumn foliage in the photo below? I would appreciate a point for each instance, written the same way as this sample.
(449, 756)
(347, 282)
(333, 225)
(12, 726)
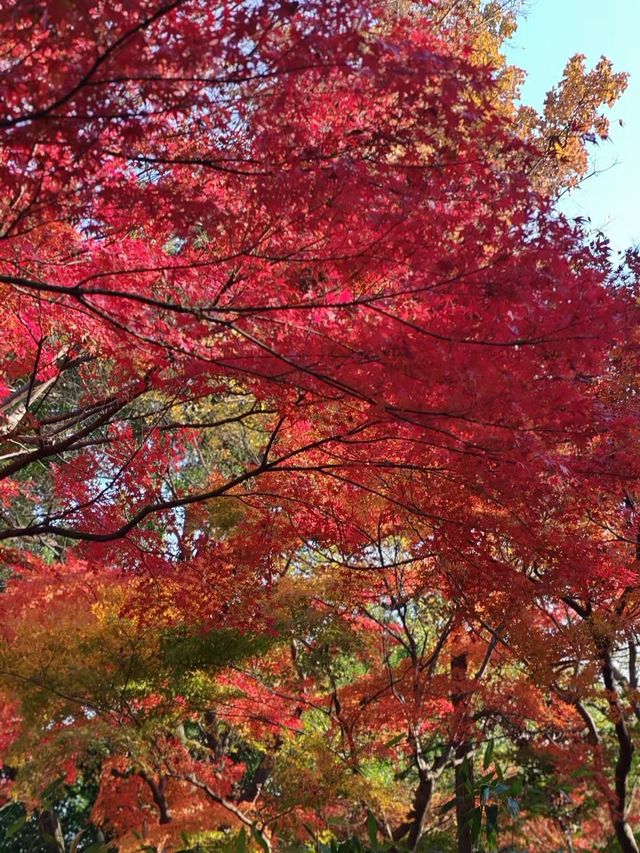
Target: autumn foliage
(319, 437)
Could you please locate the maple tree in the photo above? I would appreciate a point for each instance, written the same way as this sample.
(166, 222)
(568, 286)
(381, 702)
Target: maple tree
(318, 423)
(572, 117)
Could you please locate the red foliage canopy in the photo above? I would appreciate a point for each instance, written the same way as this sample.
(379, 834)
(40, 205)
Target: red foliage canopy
(312, 227)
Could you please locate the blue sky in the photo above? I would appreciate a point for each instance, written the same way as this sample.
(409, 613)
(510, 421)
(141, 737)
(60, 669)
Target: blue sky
(551, 32)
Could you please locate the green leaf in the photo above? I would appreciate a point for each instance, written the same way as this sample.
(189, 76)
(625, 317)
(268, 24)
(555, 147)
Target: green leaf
(516, 787)
(492, 826)
(15, 827)
(466, 775)
(486, 778)
(476, 823)
(394, 741)
(488, 755)
(185, 652)
(241, 841)
(258, 837)
(448, 805)
(372, 829)
(464, 767)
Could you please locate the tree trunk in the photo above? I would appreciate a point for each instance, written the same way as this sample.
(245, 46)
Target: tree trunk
(51, 832)
(463, 760)
(625, 837)
(421, 804)
(625, 755)
(465, 799)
